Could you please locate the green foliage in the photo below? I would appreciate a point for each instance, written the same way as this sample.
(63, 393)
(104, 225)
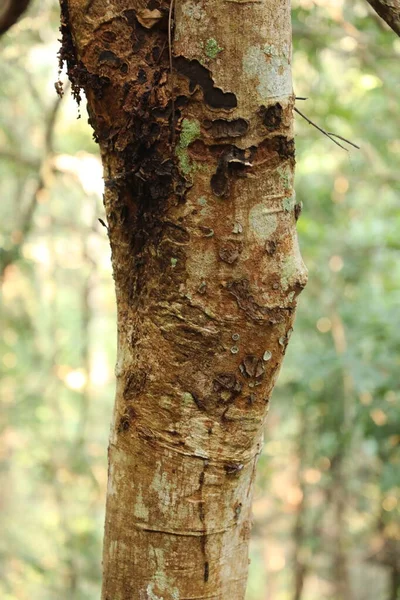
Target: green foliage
(329, 476)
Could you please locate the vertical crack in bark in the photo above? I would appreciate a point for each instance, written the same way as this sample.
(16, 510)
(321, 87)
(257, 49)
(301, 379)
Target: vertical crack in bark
(202, 516)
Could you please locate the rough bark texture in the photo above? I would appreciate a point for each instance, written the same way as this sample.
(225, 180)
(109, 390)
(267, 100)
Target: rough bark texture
(198, 168)
(389, 11)
(10, 12)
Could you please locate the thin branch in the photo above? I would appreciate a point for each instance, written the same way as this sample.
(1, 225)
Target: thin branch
(26, 220)
(329, 135)
(11, 12)
(170, 18)
(320, 129)
(41, 182)
(344, 140)
(102, 223)
(389, 11)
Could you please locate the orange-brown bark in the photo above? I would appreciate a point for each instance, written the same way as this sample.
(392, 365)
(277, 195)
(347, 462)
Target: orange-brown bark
(198, 168)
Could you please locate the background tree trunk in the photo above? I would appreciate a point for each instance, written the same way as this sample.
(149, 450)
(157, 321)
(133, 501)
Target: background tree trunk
(10, 12)
(300, 563)
(198, 167)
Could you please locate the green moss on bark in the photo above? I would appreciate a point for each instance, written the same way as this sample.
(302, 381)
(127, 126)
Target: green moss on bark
(190, 131)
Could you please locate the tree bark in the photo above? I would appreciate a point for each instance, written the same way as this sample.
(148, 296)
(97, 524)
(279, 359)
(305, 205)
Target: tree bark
(198, 168)
(389, 11)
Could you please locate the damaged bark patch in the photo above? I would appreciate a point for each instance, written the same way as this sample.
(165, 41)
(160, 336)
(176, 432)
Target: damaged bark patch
(202, 517)
(284, 340)
(184, 333)
(108, 57)
(175, 233)
(240, 290)
(148, 18)
(280, 145)
(298, 207)
(230, 251)
(252, 367)
(284, 146)
(223, 128)
(206, 572)
(272, 116)
(227, 386)
(198, 75)
(233, 468)
(231, 159)
(78, 74)
(135, 383)
(126, 420)
(199, 403)
(270, 247)
(151, 177)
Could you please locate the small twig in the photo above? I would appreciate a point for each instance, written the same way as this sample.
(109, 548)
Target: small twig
(329, 135)
(320, 129)
(344, 140)
(102, 223)
(161, 53)
(170, 17)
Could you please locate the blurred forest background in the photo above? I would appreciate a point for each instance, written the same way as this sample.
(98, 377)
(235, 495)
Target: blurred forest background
(327, 506)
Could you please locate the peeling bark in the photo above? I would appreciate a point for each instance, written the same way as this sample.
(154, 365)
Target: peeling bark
(198, 168)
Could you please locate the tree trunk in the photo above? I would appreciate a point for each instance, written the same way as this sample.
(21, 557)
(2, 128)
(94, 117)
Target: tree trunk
(198, 153)
(340, 567)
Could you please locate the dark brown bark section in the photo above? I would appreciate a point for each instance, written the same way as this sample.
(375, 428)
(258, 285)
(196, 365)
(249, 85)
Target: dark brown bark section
(389, 11)
(11, 12)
